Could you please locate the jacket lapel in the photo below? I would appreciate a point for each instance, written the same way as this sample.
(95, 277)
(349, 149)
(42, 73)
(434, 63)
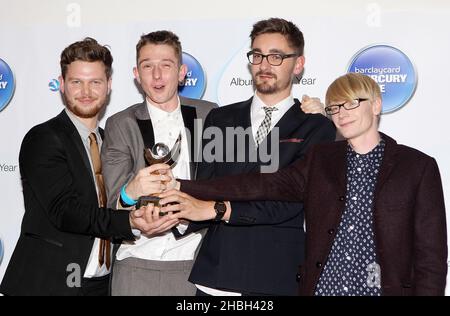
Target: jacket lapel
(145, 125)
(291, 120)
(388, 163)
(339, 158)
(146, 128)
(101, 132)
(72, 133)
(286, 126)
(189, 116)
(243, 119)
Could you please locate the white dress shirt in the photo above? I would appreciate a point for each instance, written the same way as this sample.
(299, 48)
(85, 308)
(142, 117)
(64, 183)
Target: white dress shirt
(164, 247)
(257, 112)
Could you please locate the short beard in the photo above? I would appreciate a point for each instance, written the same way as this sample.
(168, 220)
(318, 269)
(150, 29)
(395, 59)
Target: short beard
(266, 89)
(83, 113)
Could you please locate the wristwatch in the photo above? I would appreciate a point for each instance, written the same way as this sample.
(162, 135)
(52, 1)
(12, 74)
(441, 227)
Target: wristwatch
(220, 209)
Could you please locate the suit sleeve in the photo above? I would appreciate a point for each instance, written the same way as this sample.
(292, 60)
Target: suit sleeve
(46, 172)
(287, 184)
(117, 163)
(275, 212)
(430, 234)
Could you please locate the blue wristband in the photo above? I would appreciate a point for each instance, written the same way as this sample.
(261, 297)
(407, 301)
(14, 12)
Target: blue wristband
(123, 195)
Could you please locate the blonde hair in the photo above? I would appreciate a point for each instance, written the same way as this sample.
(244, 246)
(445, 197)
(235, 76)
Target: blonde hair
(352, 86)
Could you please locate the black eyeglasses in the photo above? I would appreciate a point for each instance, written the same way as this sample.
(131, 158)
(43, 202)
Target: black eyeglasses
(349, 105)
(256, 58)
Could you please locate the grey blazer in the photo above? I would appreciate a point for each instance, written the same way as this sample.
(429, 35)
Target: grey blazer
(123, 146)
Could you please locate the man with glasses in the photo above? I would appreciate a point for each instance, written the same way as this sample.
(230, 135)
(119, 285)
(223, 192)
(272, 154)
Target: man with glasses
(255, 248)
(375, 214)
(348, 105)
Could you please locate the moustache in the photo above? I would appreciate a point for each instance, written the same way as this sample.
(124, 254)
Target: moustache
(88, 99)
(261, 73)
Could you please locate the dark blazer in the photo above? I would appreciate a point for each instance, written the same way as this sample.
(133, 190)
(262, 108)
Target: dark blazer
(258, 251)
(61, 212)
(409, 212)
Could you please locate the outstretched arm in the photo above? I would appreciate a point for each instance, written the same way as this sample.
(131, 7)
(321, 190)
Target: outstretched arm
(287, 184)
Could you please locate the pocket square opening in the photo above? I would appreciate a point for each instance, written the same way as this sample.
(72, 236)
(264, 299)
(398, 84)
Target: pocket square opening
(292, 140)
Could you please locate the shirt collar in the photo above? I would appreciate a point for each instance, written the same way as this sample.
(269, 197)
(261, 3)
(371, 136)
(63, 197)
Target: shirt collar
(282, 106)
(368, 156)
(156, 114)
(82, 129)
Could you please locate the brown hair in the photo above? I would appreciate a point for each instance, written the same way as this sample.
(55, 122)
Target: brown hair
(160, 38)
(286, 28)
(352, 86)
(86, 50)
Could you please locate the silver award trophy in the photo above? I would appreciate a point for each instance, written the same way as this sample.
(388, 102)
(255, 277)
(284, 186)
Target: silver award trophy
(160, 153)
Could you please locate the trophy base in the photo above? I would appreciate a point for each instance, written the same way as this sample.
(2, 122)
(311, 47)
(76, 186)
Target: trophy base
(146, 200)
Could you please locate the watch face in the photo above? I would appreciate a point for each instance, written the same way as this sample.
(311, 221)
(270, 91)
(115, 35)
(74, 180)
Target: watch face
(220, 209)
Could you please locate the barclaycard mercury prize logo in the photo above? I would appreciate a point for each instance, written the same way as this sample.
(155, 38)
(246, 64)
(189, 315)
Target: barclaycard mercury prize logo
(391, 69)
(53, 85)
(194, 84)
(7, 84)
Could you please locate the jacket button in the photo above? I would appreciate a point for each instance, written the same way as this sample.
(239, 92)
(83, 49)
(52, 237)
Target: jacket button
(342, 198)
(331, 231)
(319, 264)
(297, 277)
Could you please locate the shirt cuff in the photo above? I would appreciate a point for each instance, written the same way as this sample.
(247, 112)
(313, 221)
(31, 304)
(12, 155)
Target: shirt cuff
(136, 233)
(182, 228)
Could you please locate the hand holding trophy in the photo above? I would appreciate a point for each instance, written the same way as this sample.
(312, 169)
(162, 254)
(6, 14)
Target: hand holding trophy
(160, 153)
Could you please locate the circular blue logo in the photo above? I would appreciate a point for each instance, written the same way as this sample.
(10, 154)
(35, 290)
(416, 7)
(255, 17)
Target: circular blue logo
(6, 84)
(391, 69)
(194, 84)
(1, 251)
(54, 85)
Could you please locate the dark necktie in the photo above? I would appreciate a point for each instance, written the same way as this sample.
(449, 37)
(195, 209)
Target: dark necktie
(264, 128)
(104, 256)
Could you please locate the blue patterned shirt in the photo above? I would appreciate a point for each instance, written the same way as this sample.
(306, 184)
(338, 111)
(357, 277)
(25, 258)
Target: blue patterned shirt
(352, 268)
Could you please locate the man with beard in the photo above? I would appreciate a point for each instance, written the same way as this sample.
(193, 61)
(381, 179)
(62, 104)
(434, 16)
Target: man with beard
(64, 245)
(255, 248)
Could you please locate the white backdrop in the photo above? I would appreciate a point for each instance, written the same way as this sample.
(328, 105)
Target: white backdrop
(33, 34)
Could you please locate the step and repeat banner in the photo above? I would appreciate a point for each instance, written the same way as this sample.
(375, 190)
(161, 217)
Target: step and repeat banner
(404, 45)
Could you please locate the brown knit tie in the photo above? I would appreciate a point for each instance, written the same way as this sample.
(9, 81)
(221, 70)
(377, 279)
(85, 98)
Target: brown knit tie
(104, 255)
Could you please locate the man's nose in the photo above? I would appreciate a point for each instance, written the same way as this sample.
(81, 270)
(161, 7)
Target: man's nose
(157, 72)
(85, 89)
(343, 112)
(265, 63)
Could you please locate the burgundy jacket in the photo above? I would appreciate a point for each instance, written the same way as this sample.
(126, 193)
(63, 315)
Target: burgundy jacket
(409, 212)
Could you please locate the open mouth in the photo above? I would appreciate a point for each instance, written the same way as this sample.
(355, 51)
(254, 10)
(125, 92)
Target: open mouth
(159, 87)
